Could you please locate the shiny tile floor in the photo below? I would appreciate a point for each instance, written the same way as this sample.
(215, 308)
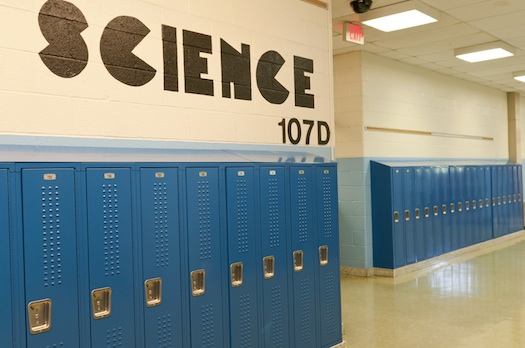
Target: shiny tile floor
(477, 301)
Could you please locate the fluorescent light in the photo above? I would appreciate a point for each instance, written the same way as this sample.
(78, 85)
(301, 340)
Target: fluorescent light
(479, 53)
(404, 15)
(520, 76)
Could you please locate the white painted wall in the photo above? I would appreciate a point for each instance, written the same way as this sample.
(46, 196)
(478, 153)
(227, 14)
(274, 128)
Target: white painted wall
(95, 105)
(400, 96)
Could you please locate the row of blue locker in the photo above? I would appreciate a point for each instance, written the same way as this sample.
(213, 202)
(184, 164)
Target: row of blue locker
(419, 212)
(169, 255)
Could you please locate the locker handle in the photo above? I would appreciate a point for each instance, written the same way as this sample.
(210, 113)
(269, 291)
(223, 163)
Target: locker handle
(444, 209)
(467, 206)
(452, 208)
(396, 216)
(39, 314)
(298, 261)
(236, 274)
(323, 255)
(474, 205)
(499, 200)
(504, 200)
(418, 214)
(101, 302)
(514, 198)
(269, 267)
(460, 206)
(198, 282)
(493, 201)
(427, 212)
(407, 215)
(153, 289)
(480, 204)
(509, 199)
(519, 197)
(436, 210)
(486, 202)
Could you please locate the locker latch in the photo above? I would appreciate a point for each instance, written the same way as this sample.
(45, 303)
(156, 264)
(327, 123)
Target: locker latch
(198, 282)
(269, 267)
(298, 261)
(39, 314)
(101, 302)
(153, 289)
(323, 255)
(396, 216)
(418, 214)
(236, 274)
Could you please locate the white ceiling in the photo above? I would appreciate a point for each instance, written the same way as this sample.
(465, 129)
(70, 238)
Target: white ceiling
(462, 23)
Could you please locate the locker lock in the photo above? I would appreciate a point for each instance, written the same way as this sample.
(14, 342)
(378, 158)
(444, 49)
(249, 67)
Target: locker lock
(323, 255)
(101, 303)
(39, 314)
(153, 290)
(298, 261)
(269, 267)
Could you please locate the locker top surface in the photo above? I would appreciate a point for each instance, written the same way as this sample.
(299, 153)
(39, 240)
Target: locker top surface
(438, 163)
(34, 153)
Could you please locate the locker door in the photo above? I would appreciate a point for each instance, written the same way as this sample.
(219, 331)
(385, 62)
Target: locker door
(460, 206)
(476, 189)
(302, 204)
(408, 214)
(328, 257)
(204, 258)
(426, 212)
(50, 257)
(242, 257)
(419, 214)
(470, 228)
(487, 200)
(454, 215)
(444, 209)
(496, 228)
(514, 197)
(437, 217)
(399, 240)
(159, 210)
(275, 263)
(6, 322)
(109, 227)
(520, 197)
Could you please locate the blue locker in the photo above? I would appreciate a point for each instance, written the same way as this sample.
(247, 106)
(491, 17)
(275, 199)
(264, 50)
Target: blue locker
(275, 263)
(514, 197)
(455, 177)
(462, 228)
(470, 227)
(302, 210)
(519, 199)
(6, 321)
(109, 228)
(438, 226)
(475, 206)
(444, 209)
(328, 260)
(207, 315)
(505, 193)
(160, 234)
(426, 213)
(242, 257)
(419, 213)
(408, 214)
(399, 239)
(486, 201)
(50, 257)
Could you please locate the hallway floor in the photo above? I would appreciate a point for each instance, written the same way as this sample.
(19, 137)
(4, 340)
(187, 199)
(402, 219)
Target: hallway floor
(475, 301)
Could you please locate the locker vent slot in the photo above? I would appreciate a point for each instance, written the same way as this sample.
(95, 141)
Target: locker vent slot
(302, 209)
(164, 332)
(203, 196)
(52, 264)
(39, 314)
(114, 338)
(277, 317)
(160, 203)
(245, 308)
(327, 207)
(208, 330)
(306, 329)
(273, 210)
(111, 230)
(242, 215)
(330, 298)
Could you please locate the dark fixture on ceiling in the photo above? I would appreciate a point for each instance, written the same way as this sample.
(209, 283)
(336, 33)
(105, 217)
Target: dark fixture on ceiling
(361, 6)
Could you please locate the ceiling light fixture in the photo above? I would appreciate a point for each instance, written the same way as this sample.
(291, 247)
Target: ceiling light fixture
(483, 52)
(399, 16)
(519, 75)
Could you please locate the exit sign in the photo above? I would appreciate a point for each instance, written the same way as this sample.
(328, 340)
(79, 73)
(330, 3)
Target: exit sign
(353, 33)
